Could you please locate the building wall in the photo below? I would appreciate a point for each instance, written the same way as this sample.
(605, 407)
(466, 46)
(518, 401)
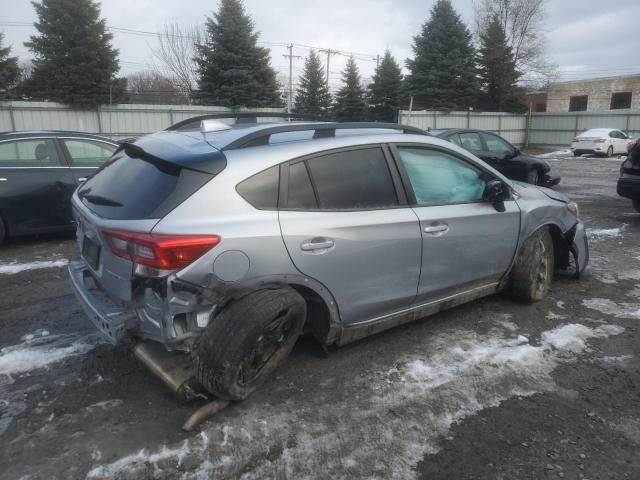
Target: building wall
(598, 91)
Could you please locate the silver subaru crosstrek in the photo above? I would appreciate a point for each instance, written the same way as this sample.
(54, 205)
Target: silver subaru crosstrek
(228, 242)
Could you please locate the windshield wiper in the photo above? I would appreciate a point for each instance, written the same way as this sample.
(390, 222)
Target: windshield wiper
(98, 200)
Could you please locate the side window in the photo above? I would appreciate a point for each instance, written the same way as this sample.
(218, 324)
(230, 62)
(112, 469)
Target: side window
(470, 141)
(87, 153)
(261, 190)
(355, 179)
(40, 152)
(455, 138)
(301, 193)
(438, 178)
(496, 144)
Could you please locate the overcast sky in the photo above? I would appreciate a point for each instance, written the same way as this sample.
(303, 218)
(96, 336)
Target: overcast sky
(585, 38)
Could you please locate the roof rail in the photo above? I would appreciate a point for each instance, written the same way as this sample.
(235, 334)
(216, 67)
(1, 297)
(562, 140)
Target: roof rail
(240, 117)
(321, 130)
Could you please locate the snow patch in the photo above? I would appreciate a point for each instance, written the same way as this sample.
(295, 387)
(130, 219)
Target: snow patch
(555, 316)
(617, 360)
(456, 375)
(609, 307)
(558, 153)
(17, 267)
(599, 233)
(38, 351)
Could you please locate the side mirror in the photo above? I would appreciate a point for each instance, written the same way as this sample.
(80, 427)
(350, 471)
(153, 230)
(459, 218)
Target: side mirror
(496, 192)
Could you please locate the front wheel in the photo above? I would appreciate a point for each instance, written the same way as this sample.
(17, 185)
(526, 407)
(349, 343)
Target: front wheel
(533, 177)
(247, 341)
(532, 271)
(636, 205)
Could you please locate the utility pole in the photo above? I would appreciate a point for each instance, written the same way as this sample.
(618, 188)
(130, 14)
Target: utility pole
(377, 60)
(329, 52)
(290, 95)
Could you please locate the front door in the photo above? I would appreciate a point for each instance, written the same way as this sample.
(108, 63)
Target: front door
(36, 186)
(344, 224)
(466, 242)
(505, 156)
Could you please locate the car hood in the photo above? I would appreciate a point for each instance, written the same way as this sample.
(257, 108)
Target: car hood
(528, 190)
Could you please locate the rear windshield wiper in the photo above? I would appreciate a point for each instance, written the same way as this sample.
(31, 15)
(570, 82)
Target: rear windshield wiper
(98, 200)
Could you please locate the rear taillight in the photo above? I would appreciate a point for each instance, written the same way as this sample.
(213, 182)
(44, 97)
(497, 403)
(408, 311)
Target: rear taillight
(161, 254)
(599, 140)
(575, 140)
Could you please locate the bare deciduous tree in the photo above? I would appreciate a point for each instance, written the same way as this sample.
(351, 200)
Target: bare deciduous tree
(175, 55)
(522, 21)
(152, 88)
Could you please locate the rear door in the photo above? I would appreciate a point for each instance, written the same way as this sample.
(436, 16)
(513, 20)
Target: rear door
(346, 224)
(466, 242)
(86, 155)
(36, 186)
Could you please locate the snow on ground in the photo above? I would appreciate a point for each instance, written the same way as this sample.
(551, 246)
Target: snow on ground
(559, 153)
(456, 375)
(609, 307)
(17, 267)
(599, 233)
(39, 350)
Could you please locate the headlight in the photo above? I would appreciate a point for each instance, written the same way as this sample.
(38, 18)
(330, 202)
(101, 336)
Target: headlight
(573, 208)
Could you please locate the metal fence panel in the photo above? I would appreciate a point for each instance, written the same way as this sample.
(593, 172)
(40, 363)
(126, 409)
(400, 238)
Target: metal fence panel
(117, 121)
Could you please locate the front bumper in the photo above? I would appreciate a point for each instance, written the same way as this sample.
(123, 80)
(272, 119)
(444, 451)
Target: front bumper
(629, 186)
(111, 320)
(580, 248)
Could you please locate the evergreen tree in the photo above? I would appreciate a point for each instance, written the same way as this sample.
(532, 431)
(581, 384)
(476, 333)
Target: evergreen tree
(443, 73)
(312, 94)
(74, 62)
(233, 70)
(498, 73)
(384, 91)
(9, 70)
(350, 105)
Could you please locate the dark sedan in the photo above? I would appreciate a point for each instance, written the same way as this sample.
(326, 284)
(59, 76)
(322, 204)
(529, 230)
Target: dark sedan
(501, 155)
(39, 171)
(629, 181)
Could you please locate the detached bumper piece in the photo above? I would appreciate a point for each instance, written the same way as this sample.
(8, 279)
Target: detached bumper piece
(580, 248)
(550, 180)
(111, 320)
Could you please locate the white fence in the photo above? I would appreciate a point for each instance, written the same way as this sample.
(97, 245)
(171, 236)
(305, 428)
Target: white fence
(119, 121)
(540, 129)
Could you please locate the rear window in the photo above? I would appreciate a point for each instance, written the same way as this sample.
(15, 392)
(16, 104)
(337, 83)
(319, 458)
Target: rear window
(128, 188)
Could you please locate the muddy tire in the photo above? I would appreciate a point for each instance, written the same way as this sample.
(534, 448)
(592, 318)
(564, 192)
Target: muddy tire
(532, 272)
(533, 176)
(247, 341)
(636, 205)
(609, 152)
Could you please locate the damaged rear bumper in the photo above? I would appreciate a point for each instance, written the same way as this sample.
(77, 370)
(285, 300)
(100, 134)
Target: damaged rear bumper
(111, 320)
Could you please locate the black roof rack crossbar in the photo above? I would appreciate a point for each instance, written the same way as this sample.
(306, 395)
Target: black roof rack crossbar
(321, 130)
(240, 117)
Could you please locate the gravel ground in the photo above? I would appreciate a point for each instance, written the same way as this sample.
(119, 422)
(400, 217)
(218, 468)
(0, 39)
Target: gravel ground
(491, 389)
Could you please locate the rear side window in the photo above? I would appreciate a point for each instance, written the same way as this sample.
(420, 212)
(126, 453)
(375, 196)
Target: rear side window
(261, 190)
(40, 152)
(88, 153)
(301, 193)
(128, 188)
(355, 179)
(470, 141)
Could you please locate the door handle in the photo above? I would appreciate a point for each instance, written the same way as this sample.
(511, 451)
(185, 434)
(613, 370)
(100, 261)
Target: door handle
(435, 229)
(317, 244)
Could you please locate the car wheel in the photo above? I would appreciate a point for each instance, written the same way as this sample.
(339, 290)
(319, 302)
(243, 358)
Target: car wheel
(636, 205)
(247, 341)
(610, 151)
(576, 154)
(532, 271)
(533, 176)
